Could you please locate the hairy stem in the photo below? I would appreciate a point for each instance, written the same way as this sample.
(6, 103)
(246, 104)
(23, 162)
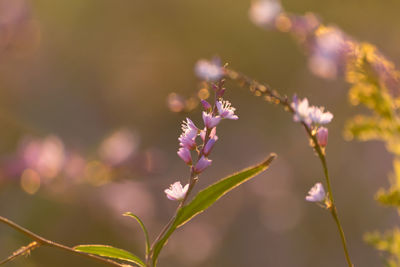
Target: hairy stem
(273, 96)
(41, 241)
(21, 251)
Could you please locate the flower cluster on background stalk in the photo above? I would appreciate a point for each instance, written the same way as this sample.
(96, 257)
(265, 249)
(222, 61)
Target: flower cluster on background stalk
(314, 117)
(188, 140)
(331, 52)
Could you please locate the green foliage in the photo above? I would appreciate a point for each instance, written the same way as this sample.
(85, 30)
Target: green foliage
(110, 252)
(146, 235)
(371, 75)
(390, 198)
(205, 198)
(389, 243)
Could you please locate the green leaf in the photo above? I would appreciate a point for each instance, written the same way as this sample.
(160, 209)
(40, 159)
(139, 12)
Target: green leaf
(205, 198)
(146, 235)
(110, 252)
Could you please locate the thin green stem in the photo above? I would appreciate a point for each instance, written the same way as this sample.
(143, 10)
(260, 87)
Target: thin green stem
(273, 96)
(41, 241)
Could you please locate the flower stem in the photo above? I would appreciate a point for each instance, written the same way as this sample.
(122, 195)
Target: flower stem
(40, 241)
(273, 96)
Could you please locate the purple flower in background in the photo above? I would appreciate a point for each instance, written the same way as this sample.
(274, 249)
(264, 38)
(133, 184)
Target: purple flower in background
(210, 121)
(225, 110)
(316, 193)
(176, 192)
(202, 164)
(264, 13)
(185, 155)
(209, 70)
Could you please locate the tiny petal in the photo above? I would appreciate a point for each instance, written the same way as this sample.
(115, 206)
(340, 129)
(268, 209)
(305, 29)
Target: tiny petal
(187, 142)
(322, 136)
(318, 116)
(225, 110)
(202, 164)
(189, 128)
(210, 121)
(185, 155)
(205, 104)
(209, 146)
(301, 110)
(316, 193)
(176, 192)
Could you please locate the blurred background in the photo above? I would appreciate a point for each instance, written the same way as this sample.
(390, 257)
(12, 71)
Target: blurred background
(92, 95)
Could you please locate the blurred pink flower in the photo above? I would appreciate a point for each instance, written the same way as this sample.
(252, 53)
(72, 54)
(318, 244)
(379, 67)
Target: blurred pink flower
(208, 70)
(118, 147)
(264, 12)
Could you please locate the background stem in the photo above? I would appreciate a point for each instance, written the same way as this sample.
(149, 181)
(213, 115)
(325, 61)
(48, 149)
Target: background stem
(274, 97)
(45, 242)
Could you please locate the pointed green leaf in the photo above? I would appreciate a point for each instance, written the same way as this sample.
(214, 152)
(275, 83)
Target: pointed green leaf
(205, 198)
(110, 252)
(146, 235)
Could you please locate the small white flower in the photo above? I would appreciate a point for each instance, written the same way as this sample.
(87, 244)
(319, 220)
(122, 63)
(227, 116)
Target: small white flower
(316, 193)
(309, 114)
(208, 70)
(264, 12)
(302, 110)
(318, 116)
(225, 110)
(176, 192)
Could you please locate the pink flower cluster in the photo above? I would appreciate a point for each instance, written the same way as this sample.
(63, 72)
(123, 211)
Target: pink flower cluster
(188, 140)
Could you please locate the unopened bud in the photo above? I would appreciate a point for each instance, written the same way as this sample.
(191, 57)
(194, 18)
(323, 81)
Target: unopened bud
(221, 92)
(205, 104)
(322, 136)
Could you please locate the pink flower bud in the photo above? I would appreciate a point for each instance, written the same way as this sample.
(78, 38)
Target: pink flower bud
(202, 164)
(221, 92)
(322, 136)
(209, 146)
(205, 104)
(185, 155)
